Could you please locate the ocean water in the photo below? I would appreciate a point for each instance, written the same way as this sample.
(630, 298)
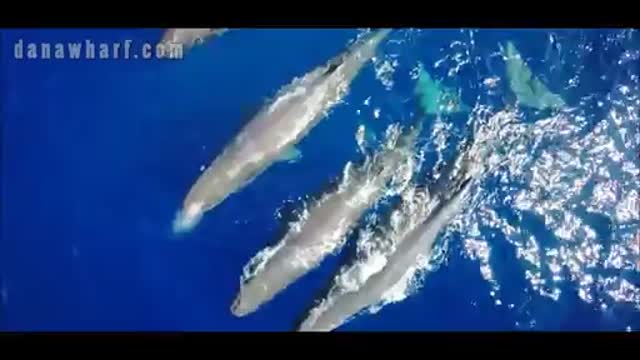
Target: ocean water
(98, 154)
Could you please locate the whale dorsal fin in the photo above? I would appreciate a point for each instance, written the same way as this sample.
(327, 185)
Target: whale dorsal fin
(333, 65)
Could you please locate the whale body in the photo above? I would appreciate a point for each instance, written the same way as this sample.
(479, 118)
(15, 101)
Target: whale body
(328, 222)
(419, 242)
(188, 38)
(414, 239)
(276, 129)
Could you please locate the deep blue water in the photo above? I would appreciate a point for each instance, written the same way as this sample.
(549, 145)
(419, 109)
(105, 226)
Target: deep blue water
(98, 155)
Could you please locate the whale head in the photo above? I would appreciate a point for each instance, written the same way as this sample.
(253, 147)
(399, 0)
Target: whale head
(244, 304)
(187, 218)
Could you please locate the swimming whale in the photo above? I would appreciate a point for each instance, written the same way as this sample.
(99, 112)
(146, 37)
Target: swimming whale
(528, 88)
(189, 37)
(412, 242)
(435, 98)
(326, 225)
(273, 133)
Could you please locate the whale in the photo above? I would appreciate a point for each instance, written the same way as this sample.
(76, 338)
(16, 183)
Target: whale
(434, 98)
(188, 38)
(327, 223)
(529, 90)
(414, 239)
(272, 134)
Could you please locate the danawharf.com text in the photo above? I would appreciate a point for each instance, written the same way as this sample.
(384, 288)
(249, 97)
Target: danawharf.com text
(90, 50)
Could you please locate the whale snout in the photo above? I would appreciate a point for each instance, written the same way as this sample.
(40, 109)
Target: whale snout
(249, 298)
(187, 218)
(239, 307)
(236, 308)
